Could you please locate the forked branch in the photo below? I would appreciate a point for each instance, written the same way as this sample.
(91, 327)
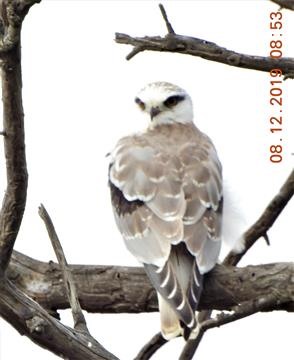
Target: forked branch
(208, 50)
(79, 320)
(26, 315)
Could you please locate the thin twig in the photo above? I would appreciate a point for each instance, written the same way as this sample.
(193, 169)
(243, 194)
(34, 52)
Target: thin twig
(78, 316)
(134, 52)
(169, 27)
(267, 240)
(239, 312)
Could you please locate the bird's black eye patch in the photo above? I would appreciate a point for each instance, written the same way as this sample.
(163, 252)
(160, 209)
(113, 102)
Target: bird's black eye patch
(173, 100)
(140, 103)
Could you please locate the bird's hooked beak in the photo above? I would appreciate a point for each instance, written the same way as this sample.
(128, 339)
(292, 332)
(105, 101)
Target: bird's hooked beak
(154, 112)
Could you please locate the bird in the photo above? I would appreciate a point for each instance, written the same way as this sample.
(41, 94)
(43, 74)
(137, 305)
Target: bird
(167, 195)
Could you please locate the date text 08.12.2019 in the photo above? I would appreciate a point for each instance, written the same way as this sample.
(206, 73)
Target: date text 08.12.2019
(276, 88)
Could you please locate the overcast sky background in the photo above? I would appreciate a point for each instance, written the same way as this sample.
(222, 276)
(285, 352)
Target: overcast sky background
(78, 93)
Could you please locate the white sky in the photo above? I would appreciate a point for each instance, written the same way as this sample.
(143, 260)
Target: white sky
(78, 101)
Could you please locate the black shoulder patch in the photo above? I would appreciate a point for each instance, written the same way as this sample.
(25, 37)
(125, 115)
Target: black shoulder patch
(120, 203)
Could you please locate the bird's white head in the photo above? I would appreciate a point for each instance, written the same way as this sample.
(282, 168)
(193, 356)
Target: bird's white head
(165, 103)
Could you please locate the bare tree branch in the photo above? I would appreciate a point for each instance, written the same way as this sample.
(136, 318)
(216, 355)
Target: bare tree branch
(201, 48)
(239, 312)
(15, 196)
(121, 289)
(12, 13)
(30, 319)
(158, 340)
(78, 317)
(114, 289)
(169, 27)
(102, 289)
(287, 4)
(151, 347)
(191, 345)
(266, 220)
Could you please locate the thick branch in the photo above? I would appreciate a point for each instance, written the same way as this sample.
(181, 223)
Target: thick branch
(13, 126)
(103, 289)
(12, 13)
(32, 320)
(119, 289)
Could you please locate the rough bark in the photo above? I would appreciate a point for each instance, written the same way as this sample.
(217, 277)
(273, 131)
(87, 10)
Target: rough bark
(119, 289)
(14, 144)
(30, 319)
(205, 49)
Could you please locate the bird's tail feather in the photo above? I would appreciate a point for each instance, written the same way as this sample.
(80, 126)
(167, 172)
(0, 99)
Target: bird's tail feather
(170, 325)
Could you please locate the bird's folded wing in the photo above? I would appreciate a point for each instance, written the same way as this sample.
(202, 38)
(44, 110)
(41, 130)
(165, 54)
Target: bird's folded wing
(140, 174)
(180, 193)
(202, 184)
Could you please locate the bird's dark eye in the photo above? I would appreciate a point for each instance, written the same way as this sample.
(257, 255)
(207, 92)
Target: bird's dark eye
(140, 103)
(173, 100)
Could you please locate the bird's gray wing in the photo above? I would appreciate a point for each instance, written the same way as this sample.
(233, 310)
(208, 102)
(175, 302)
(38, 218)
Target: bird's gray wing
(202, 184)
(148, 203)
